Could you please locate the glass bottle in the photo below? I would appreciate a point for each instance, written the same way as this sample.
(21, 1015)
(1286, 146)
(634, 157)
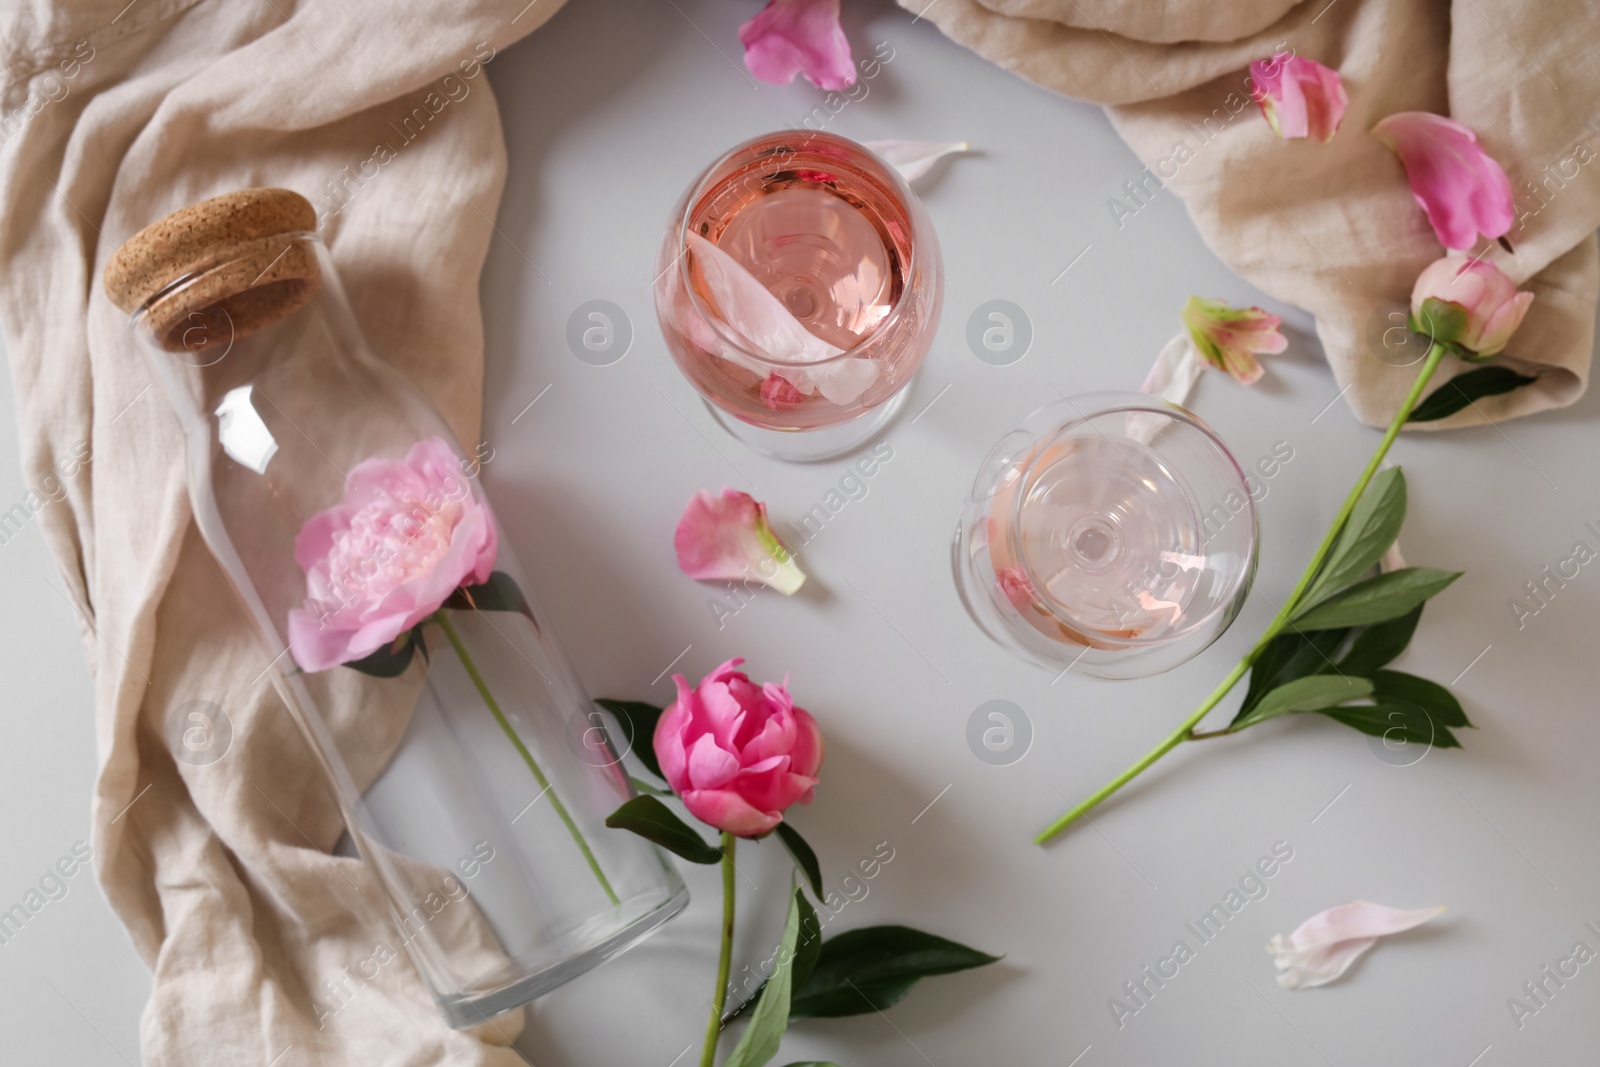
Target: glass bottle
(453, 732)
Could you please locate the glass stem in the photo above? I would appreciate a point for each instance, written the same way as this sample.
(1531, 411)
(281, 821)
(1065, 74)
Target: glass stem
(1185, 730)
(443, 619)
(719, 996)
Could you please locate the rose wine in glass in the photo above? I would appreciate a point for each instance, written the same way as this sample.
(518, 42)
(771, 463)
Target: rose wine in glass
(798, 290)
(1112, 530)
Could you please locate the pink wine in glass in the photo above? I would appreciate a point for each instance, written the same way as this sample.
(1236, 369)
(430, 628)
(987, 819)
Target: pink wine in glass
(798, 290)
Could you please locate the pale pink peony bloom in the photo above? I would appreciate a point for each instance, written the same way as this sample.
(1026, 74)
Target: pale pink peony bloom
(408, 534)
(792, 37)
(1299, 97)
(738, 754)
(1470, 303)
(727, 538)
(1325, 945)
(1460, 186)
(1230, 337)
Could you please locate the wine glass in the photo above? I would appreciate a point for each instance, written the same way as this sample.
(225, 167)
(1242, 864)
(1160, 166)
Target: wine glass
(1111, 532)
(798, 288)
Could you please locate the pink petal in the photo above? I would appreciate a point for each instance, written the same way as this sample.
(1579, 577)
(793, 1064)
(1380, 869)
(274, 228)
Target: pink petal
(668, 739)
(1460, 187)
(710, 766)
(1324, 946)
(729, 811)
(1299, 97)
(316, 647)
(792, 37)
(728, 538)
(805, 758)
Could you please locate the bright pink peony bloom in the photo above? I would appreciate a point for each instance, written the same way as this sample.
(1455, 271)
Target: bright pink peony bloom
(1230, 337)
(1300, 97)
(1460, 186)
(738, 754)
(1467, 302)
(727, 538)
(792, 37)
(408, 533)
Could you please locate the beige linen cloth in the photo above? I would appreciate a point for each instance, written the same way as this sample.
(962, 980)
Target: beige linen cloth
(115, 114)
(1332, 228)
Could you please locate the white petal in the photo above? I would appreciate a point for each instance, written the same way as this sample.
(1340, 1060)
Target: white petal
(1171, 377)
(753, 312)
(843, 381)
(913, 159)
(1325, 945)
(1392, 560)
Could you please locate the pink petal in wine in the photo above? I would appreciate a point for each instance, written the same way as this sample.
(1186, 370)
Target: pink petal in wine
(1325, 945)
(726, 537)
(1460, 186)
(792, 37)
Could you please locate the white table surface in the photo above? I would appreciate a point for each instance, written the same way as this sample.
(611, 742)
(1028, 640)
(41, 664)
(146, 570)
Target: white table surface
(609, 111)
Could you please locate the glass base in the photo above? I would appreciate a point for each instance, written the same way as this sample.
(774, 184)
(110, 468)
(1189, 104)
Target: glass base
(812, 446)
(467, 1011)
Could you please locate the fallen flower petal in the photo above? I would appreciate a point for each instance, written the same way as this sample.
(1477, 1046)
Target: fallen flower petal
(1230, 337)
(913, 159)
(1171, 378)
(727, 538)
(1325, 945)
(1460, 186)
(1299, 97)
(792, 37)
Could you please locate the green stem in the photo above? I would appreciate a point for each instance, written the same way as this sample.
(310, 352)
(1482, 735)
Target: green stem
(456, 643)
(1185, 730)
(719, 997)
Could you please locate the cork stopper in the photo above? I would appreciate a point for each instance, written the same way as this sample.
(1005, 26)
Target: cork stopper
(240, 261)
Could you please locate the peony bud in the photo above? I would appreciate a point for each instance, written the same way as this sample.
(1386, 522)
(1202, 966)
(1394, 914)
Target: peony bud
(1468, 304)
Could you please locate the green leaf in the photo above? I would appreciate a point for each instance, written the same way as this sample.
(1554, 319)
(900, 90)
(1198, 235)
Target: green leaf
(1373, 525)
(1463, 389)
(1379, 644)
(391, 660)
(1311, 693)
(654, 821)
(1440, 704)
(812, 1063)
(872, 968)
(638, 721)
(499, 593)
(1395, 720)
(803, 856)
(759, 1042)
(1379, 599)
(1287, 657)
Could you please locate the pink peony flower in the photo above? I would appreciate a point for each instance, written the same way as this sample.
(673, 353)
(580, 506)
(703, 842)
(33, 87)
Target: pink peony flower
(1299, 97)
(1460, 186)
(792, 37)
(727, 538)
(408, 534)
(1469, 303)
(738, 754)
(1230, 337)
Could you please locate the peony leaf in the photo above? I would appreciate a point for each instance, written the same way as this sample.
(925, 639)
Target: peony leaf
(759, 1042)
(804, 857)
(1387, 596)
(1394, 720)
(392, 659)
(1373, 525)
(1312, 693)
(1379, 644)
(638, 721)
(655, 822)
(1287, 657)
(872, 968)
(1440, 704)
(499, 593)
(1463, 389)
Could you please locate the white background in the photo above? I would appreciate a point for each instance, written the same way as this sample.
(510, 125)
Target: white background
(609, 111)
